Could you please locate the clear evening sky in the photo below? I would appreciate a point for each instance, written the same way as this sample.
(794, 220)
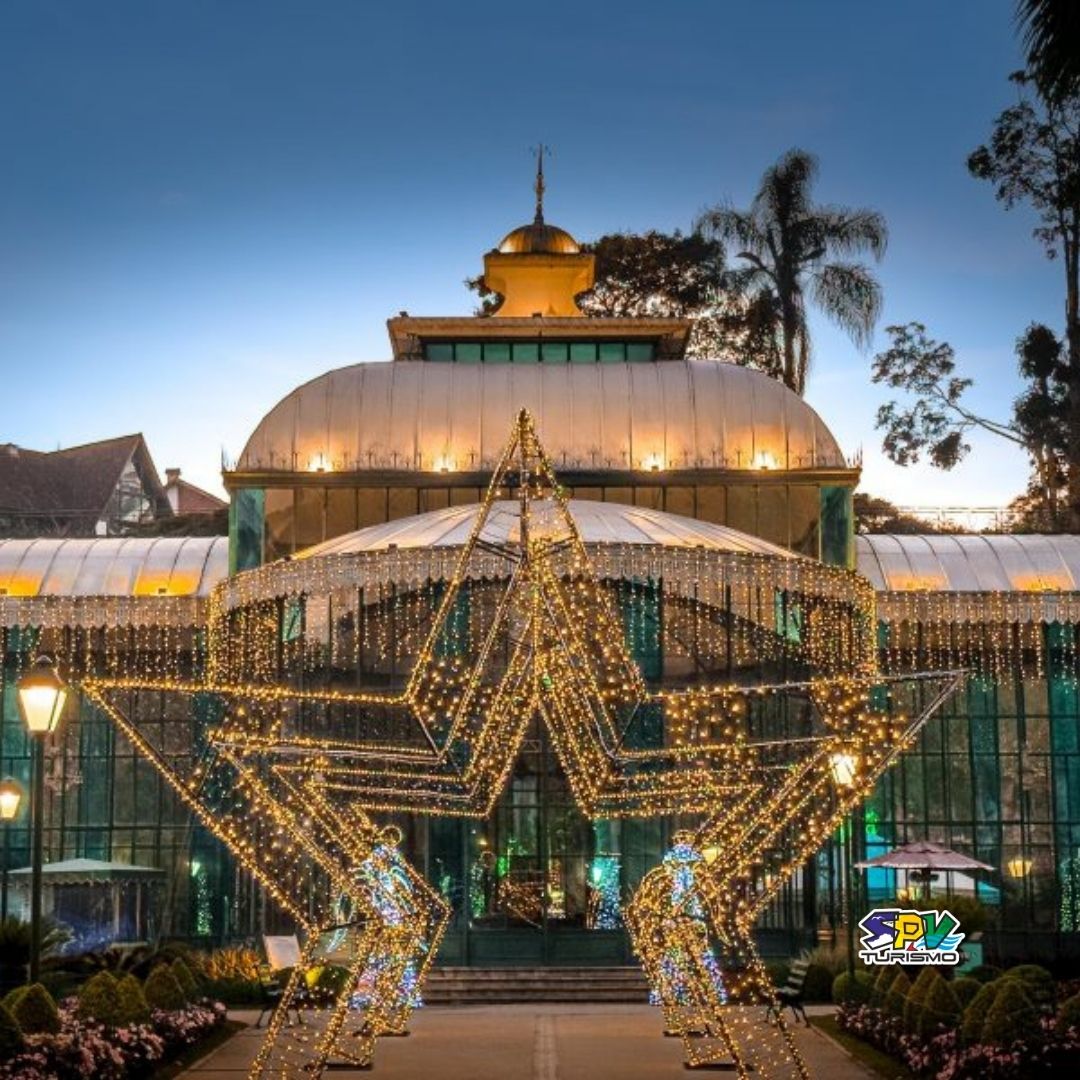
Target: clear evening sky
(203, 204)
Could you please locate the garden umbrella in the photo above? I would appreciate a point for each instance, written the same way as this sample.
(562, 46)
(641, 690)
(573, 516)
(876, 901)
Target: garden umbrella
(924, 857)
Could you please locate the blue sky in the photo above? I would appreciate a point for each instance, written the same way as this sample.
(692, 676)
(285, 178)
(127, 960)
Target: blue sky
(203, 204)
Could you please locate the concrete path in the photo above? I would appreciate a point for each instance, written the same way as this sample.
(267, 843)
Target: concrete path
(527, 1042)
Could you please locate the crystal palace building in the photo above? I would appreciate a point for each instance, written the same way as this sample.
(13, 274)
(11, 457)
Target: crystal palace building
(666, 458)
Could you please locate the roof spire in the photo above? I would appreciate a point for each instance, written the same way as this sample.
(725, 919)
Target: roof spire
(538, 187)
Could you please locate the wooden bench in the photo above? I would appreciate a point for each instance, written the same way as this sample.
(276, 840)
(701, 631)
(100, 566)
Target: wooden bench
(790, 995)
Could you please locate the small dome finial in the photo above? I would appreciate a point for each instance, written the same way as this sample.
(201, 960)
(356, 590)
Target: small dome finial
(538, 187)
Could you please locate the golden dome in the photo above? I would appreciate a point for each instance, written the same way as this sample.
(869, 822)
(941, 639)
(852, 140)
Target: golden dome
(539, 238)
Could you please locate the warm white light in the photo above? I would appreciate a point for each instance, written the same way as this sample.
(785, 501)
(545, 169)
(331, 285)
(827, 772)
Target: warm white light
(1019, 868)
(10, 799)
(445, 463)
(42, 695)
(844, 766)
(654, 462)
(764, 460)
(317, 463)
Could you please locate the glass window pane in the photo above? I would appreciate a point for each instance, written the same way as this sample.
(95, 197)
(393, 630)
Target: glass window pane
(582, 352)
(554, 352)
(711, 504)
(310, 515)
(402, 503)
(496, 352)
(279, 523)
(439, 352)
(742, 508)
(526, 352)
(467, 353)
(340, 511)
(612, 352)
(371, 507)
(679, 500)
(434, 499)
(639, 351)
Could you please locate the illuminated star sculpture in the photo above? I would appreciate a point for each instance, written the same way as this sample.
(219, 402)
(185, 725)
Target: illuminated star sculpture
(527, 626)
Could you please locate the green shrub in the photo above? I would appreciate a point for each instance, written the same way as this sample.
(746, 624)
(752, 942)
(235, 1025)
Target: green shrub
(968, 911)
(163, 991)
(817, 986)
(974, 1018)
(133, 1006)
(940, 1009)
(852, 990)
(35, 1012)
(965, 989)
(1038, 984)
(884, 979)
(182, 974)
(832, 957)
(896, 998)
(916, 998)
(328, 981)
(99, 999)
(1011, 1017)
(1068, 1015)
(12, 997)
(11, 1038)
(985, 973)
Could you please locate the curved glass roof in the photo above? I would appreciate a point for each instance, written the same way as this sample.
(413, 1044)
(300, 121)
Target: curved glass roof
(981, 563)
(152, 566)
(597, 522)
(665, 416)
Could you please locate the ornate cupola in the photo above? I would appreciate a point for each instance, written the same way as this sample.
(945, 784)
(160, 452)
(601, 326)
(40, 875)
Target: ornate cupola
(538, 269)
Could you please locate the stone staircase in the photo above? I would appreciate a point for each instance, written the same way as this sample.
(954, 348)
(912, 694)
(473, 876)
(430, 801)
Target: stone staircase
(496, 986)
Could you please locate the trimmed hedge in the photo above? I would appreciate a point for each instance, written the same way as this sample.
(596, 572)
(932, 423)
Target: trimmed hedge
(182, 974)
(11, 998)
(965, 989)
(11, 1036)
(896, 998)
(916, 997)
(133, 1006)
(1011, 1017)
(971, 1026)
(1038, 984)
(99, 999)
(162, 990)
(940, 1009)
(35, 1012)
(856, 990)
(1069, 1014)
(881, 986)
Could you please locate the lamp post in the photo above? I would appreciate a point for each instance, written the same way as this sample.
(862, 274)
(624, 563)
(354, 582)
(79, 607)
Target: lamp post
(844, 766)
(42, 695)
(11, 794)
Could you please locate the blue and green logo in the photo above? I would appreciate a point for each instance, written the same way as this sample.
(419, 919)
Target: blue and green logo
(901, 936)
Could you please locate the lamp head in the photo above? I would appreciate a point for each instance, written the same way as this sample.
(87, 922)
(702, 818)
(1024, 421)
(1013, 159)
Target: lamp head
(42, 695)
(11, 794)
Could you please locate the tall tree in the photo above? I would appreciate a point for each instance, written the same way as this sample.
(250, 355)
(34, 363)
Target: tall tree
(793, 250)
(938, 420)
(1033, 157)
(1051, 33)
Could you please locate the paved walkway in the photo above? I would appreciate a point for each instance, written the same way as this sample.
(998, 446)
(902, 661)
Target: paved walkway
(528, 1042)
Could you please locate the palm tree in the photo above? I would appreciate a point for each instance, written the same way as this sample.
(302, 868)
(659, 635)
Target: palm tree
(793, 249)
(1051, 33)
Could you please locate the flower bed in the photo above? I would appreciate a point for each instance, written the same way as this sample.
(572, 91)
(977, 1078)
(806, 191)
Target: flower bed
(1047, 1052)
(84, 1048)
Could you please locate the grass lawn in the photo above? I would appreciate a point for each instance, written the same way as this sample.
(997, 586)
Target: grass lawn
(867, 1055)
(195, 1053)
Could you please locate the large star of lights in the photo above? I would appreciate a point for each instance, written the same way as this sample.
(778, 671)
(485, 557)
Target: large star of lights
(291, 773)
